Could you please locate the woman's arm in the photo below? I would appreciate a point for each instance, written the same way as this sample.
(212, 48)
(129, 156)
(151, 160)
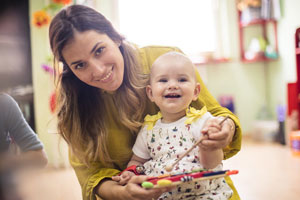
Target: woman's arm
(96, 180)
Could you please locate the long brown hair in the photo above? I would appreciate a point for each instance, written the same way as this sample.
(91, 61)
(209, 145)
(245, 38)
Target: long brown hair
(80, 106)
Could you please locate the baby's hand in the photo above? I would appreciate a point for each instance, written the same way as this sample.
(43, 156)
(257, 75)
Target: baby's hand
(212, 127)
(123, 178)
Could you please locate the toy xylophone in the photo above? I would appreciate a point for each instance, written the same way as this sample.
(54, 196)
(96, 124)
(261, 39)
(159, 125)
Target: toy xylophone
(168, 180)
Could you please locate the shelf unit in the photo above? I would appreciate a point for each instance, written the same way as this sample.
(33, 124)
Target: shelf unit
(297, 54)
(293, 89)
(262, 23)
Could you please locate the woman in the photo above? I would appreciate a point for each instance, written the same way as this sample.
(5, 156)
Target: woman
(102, 102)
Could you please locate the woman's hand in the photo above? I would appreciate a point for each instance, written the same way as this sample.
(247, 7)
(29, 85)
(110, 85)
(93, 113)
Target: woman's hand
(219, 139)
(131, 191)
(136, 192)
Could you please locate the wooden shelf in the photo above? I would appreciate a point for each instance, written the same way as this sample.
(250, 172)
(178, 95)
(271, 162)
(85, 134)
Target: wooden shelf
(262, 59)
(265, 34)
(212, 61)
(257, 22)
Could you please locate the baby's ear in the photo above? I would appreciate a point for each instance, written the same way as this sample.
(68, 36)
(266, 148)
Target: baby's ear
(196, 91)
(149, 92)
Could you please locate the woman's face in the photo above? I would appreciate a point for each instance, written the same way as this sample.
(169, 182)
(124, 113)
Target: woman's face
(95, 59)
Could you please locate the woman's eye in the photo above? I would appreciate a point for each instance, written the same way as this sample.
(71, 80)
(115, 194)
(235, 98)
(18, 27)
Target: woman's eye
(99, 50)
(79, 66)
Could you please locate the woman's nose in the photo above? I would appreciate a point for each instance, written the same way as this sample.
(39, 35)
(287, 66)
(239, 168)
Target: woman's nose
(97, 69)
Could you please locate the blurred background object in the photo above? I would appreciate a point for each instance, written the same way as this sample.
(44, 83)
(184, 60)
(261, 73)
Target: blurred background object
(15, 55)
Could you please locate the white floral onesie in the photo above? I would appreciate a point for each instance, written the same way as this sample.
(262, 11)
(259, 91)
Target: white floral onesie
(164, 143)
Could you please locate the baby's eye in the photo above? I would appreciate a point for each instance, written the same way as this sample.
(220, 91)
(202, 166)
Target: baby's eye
(99, 51)
(163, 80)
(182, 80)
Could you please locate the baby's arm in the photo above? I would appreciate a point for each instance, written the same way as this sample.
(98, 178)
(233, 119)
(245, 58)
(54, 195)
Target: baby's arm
(211, 158)
(135, 160)
(126, 175)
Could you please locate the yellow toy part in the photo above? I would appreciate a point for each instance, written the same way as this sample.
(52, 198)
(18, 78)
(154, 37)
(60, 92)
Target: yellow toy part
(164, 183)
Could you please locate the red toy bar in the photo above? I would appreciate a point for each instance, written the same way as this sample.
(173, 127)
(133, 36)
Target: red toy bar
(167, 180)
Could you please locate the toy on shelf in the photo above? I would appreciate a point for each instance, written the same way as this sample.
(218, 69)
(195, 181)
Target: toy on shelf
(167, 180)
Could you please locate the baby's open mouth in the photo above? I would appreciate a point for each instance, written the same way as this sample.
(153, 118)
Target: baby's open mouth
(172, 96)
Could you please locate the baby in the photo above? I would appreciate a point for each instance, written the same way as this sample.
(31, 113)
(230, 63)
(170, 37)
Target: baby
(174, 129)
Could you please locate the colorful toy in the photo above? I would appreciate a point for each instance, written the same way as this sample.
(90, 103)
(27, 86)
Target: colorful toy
(168, 180)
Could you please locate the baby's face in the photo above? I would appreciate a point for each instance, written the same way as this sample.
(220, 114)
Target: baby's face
(173, 86)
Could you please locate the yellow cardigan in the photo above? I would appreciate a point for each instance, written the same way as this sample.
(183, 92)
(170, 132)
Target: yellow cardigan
(120, 140)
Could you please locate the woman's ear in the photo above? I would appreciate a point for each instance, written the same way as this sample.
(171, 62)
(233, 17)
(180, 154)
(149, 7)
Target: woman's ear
(196, 91)
(149, 92)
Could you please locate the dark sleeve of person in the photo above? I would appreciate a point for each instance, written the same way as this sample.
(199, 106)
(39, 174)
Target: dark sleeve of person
(17, 126)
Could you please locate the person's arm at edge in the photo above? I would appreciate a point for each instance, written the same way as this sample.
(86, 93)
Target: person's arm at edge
(32, 152)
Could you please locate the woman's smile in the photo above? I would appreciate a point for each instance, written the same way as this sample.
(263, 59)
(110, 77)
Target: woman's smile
(107, 77)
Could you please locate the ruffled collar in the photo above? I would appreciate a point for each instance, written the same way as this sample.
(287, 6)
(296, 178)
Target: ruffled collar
(192, 115)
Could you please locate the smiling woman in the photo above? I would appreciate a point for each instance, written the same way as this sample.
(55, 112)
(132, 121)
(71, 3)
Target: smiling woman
(95, 59)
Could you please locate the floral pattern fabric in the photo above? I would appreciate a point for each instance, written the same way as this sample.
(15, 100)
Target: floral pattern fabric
(164, 143)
